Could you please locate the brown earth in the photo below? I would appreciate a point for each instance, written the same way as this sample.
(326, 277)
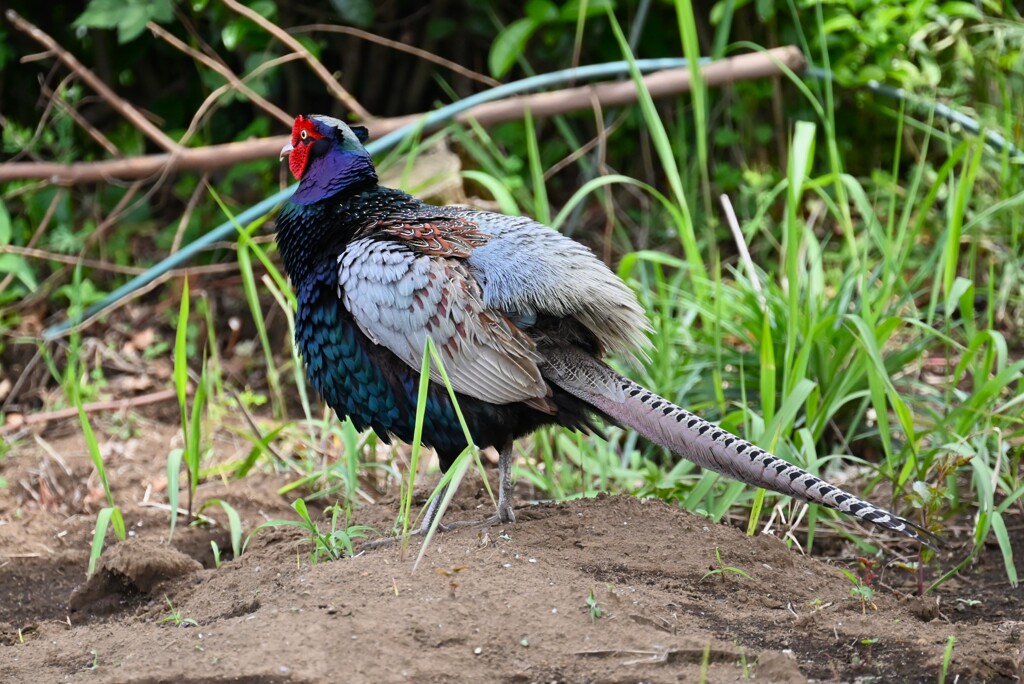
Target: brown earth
(504, 604)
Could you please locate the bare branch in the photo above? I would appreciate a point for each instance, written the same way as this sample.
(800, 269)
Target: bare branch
(318, 68)
(661, 84)
(223, 70)
(77, 117)
(212, 98)
(93, 81)
(94, 407)
(109, 267)
(401, 47)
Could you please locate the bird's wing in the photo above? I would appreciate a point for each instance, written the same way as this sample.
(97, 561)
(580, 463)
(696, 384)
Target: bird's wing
(399, 297)
(529, 268)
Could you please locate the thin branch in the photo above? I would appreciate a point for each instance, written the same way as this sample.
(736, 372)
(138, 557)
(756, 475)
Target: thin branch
(45, 255)
(93, 81)
(402, 47)
(115, 214)
(186, 215)
(224, 71)
(213, 97)
(94, 407)
(661, 84)
(294, 45)
(77, 117)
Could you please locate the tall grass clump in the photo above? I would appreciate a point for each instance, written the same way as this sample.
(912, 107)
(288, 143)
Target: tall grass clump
(862, 341)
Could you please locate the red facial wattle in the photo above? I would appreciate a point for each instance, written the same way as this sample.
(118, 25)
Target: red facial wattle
(304, 134)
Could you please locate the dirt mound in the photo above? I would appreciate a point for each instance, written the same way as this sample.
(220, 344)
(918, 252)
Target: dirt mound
(607, 589)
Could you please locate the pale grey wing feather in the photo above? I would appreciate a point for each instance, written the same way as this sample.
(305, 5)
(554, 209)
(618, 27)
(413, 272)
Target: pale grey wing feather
(398, 297)
(527, 268)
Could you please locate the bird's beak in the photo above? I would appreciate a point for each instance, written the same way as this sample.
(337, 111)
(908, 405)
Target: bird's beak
(285, 151)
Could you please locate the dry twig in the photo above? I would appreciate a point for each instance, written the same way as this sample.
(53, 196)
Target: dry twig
(223, 70)
(94, 407)
(661, 84)
(294, 45)
(401, 47)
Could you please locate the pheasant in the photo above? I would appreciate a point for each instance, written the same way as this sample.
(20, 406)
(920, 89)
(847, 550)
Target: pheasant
(520, 315)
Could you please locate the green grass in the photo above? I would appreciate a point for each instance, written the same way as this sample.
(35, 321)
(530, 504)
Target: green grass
(73, 379)
(820, 354)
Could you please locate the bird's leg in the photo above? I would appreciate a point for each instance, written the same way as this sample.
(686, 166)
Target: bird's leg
(505, 458)
(431, 513)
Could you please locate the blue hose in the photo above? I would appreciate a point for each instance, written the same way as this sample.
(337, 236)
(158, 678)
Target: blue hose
(449, 112)
(385, 143)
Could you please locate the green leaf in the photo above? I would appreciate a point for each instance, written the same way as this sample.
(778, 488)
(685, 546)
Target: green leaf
(499, 190)
(541, 10)
(571, 10)
(173, 487)
(509, 44)
(234, 523)
(99, 534)
(180, 354)
(231, 35)
(129, 17)
(356, 12)
(13, 263)
(1003, 537)
(5, 225)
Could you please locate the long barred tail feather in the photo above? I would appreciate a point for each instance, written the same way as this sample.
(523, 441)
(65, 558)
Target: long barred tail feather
(707, 445)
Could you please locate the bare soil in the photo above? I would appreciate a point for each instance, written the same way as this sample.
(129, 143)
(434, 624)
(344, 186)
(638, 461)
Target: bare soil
(506, 604)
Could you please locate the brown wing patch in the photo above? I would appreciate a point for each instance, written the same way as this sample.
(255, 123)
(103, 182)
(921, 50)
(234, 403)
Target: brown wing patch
(441, 236)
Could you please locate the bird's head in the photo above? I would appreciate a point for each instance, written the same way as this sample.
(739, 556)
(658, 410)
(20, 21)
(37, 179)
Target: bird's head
(326, 156)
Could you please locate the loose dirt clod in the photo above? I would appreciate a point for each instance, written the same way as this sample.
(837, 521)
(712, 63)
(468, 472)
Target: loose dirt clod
(132, 566)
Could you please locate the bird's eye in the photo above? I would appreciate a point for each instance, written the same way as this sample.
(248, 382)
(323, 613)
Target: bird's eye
(303, 134)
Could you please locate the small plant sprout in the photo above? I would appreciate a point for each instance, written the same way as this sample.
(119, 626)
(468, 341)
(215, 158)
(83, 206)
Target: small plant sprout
(722, 568)
(947, 658)
(451, 574)
(174, 616)
(861, 591)
(333, 545)
(595, 610)
(705, 663)
(745, 667)
(969, 602)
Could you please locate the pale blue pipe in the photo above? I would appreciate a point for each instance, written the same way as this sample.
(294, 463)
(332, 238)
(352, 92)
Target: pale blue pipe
(385, 143)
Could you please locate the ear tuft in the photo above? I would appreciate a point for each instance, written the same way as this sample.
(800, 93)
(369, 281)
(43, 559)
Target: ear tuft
(362, 135)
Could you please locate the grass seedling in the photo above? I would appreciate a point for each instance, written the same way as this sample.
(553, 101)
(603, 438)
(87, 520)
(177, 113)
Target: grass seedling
(71, 381)
(947, 658)
(705, 664)
(457, 471)
(861, 591)
(722, 568)
(191, 420)
(745, 667)
(334, 545)
(175, 617)
(234, 527)
(246, 247)
(451, 574)
(593, 607)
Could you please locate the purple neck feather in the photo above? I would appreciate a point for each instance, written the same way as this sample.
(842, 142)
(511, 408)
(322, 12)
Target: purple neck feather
(333, 173)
